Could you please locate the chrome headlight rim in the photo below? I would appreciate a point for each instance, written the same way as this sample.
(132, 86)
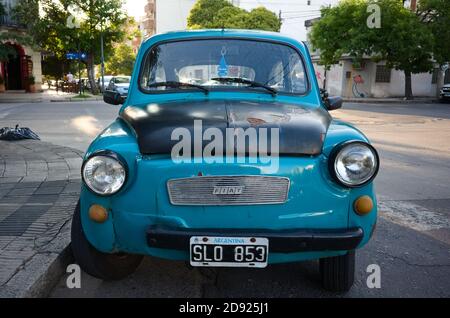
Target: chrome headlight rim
(109, 154)
(335, 153)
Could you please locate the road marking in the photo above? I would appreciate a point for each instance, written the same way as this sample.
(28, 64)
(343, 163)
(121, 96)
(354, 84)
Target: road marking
(412, 216)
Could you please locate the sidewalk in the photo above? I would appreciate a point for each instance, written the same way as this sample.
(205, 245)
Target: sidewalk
(394, 100)
(48, 95)
(39, 188)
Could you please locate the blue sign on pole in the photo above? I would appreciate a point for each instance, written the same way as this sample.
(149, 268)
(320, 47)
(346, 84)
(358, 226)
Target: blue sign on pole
(76, 56)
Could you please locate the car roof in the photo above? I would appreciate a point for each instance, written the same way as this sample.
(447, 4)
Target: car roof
(217, 33)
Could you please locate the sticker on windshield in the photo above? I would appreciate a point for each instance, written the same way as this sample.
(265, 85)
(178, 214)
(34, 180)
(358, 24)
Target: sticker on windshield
(223, 66)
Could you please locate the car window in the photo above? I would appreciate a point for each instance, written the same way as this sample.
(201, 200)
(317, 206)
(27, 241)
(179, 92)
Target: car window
(121, 80)
(199, 61)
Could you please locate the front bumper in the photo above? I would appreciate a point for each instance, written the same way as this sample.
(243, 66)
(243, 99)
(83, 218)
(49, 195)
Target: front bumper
(291, 241)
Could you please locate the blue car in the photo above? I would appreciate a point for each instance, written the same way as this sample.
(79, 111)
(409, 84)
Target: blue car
(224, 154)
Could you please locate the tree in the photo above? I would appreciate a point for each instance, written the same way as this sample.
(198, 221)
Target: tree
(6, 50)
(62, 26)
(204, 12)
(122, 61)
(435, 14)
(216, 14)
(263, 19)
(402, 40)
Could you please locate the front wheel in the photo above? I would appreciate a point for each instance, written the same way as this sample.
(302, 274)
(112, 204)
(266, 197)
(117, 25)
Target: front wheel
(338, 273)
(98, 264)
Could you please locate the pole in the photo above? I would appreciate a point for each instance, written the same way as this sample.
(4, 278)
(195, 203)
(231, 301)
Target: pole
(102, 57)
(79, 67)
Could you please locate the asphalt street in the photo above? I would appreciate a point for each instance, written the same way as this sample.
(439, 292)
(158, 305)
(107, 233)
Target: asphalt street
(411, 245)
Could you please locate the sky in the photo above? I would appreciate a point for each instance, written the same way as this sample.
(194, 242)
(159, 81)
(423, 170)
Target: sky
(135, 8)
(294, 12)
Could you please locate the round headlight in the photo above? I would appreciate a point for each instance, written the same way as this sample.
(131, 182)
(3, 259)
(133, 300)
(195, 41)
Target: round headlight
(103, 174)
(354, 164)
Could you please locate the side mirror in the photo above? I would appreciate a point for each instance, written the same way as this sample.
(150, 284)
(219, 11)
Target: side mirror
(331, 103)
(113, 99)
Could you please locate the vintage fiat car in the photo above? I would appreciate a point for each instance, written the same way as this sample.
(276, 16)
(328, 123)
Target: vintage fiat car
(224, 154)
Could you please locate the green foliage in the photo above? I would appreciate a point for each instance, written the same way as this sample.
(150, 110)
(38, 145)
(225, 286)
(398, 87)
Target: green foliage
(31, 80)
(263, 19)
(204, 13)
(56, 32)
(6, 50)
(229, 17)
(122, 61)
(402, 41)
(435, 14)
(56, 68)
(217, 14)
(2, 10)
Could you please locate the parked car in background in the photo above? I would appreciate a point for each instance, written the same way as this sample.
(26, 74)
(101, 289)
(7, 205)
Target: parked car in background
(149, 188)
(117, 90)
(107, 79)
(445, 93)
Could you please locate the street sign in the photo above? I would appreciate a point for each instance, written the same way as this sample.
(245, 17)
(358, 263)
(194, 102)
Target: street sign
(76, 56)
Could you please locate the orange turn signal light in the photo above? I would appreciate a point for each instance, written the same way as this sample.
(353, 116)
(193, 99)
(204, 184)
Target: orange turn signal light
(98, 214)
(364, 205)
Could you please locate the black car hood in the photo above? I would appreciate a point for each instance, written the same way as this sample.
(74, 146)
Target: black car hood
(302, 129)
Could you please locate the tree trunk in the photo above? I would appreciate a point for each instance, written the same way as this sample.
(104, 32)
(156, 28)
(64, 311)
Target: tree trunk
(440, 82)
(408, 85)
(91, 74)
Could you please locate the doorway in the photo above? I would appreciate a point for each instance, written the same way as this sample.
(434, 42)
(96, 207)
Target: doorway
(13, 80)
(16, 69)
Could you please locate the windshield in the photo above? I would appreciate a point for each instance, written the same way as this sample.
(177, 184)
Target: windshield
(122, 80)
(203, 62)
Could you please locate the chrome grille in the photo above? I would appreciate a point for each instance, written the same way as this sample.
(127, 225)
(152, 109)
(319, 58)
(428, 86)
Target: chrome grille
(228, 190)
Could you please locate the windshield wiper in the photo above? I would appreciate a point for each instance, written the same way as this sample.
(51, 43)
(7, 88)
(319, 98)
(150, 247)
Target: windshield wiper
(239, 80)
(178, 85)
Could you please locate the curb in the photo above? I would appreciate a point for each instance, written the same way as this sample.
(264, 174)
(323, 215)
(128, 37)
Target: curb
(73, 100)
(43, 272)
(390, 101)
(40, 185)
(43, 100)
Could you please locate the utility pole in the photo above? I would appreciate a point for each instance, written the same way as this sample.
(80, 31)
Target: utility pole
(102, 56)
(79, 66)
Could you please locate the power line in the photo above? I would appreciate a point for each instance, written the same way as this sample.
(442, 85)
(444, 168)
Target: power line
(301, 11)
(303, 16)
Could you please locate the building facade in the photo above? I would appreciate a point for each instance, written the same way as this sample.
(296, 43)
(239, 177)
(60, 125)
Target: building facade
(148, 24)
(26, 62)
(373, 79)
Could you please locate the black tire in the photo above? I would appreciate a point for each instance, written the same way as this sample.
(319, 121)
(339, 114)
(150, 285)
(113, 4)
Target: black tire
(338, 273)
(95, 263)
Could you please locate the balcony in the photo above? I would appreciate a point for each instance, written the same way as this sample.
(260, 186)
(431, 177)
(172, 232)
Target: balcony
(8, 21)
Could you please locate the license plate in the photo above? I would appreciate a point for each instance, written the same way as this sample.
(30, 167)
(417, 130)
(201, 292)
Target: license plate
(229, 252)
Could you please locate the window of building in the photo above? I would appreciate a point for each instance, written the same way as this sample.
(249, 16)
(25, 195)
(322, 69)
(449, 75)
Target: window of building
(383, 74)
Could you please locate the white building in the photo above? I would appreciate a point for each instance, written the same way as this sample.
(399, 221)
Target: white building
(171, 15)
(373, 79)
